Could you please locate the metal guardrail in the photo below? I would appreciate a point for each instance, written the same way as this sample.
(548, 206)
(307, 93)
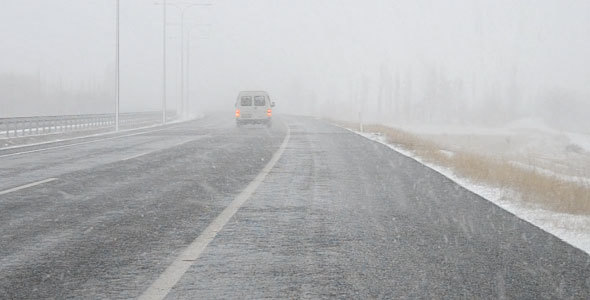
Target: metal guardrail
(27, 126)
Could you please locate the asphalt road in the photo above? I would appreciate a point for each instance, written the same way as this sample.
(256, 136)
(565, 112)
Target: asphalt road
(337, 216)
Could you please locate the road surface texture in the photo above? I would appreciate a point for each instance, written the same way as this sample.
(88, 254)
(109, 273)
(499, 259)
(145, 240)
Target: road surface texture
(337, 216)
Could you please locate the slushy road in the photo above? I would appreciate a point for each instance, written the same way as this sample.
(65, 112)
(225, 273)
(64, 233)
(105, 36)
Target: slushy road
(333, 216)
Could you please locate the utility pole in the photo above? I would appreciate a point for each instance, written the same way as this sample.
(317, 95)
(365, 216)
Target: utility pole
(164, 63)
(117, 77)
(182, 108)
(183, 8)
(188, 67)
(188, 71)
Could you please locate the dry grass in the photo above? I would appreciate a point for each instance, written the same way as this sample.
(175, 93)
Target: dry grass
(536, 188)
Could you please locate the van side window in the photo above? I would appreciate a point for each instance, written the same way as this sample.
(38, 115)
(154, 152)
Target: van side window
(259, 101)
(246, 101)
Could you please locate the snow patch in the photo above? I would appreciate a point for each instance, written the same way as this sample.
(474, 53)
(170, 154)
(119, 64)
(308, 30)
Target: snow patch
(572, 229)
(550, 173)
(579, 139)
(447, 153)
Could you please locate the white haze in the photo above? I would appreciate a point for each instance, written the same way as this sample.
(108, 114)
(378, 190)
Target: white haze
(457, 61)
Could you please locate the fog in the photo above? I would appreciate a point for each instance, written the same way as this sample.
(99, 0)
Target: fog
(400, 62)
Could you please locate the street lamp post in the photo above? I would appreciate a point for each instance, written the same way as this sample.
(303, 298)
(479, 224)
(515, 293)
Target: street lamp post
(182, 108)
(188, 66)
(164, 63)
(188, 70)
(183, 79)
(183, 9)
(117, 69)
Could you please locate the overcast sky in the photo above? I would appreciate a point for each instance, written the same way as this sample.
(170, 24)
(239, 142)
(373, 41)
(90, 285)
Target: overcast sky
(304, 49)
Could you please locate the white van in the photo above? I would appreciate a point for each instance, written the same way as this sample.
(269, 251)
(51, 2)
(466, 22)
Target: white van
(254, 107)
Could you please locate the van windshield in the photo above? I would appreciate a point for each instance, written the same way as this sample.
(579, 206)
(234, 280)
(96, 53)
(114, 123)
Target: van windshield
(259, 101)
(246, 101)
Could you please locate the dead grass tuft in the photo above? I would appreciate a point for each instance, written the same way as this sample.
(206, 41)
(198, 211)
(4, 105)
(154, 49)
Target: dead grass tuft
(549, 192)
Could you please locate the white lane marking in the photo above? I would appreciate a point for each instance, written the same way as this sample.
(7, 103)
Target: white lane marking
(27, 186)
(136, 156)
(167, 280)
(175, 145)
(81, 143)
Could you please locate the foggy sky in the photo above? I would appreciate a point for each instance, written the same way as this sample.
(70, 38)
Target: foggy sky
(409, 61)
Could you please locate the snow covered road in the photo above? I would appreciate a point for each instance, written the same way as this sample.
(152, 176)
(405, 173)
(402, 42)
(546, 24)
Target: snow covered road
(337, 216)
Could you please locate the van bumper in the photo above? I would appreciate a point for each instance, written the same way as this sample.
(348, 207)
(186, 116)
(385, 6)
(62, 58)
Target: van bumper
(241, 121)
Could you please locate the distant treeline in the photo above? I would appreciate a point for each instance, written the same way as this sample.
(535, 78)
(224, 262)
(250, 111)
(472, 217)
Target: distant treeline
(432, 96)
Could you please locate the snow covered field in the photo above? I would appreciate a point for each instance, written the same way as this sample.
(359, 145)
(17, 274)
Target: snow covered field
(565, 155)
(528, 143)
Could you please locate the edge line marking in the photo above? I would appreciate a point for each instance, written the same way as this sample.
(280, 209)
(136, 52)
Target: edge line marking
(28, 185)
(81, 143)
